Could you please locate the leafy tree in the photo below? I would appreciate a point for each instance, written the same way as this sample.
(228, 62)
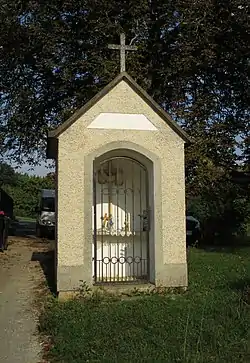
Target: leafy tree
(52, 178)
(7, 175)
(193, 58)
(25, 193)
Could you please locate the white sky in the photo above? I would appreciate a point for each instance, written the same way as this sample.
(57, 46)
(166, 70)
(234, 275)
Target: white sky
(41, 170)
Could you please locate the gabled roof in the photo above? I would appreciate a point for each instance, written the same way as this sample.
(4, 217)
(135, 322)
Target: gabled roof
(143, 94)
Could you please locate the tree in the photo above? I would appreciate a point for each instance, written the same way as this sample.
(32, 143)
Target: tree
(7, 175)
(193, 58)
(26, 191)
(51, 177)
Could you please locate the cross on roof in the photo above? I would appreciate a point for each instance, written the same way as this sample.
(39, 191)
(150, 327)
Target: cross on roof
(122, 47)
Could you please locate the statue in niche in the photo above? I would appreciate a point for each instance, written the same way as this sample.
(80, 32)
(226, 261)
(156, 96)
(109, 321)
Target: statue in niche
(107, 221)
(107, 174)
(104, 220)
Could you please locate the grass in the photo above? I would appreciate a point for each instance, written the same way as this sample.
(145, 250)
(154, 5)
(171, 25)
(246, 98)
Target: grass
(209, 323)
(26, 219)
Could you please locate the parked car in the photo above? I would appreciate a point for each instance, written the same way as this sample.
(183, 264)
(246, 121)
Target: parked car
(45, 223)
(193, 230)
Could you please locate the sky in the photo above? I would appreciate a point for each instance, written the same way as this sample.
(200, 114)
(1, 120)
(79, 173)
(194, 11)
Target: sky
(41, 170)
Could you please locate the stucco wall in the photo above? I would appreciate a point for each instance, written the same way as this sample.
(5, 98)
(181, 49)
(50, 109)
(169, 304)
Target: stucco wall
(78, 146)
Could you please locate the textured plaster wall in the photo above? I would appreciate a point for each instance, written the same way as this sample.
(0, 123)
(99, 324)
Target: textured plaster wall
(76, 143)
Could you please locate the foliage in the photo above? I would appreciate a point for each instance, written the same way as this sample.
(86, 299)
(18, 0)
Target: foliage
(223, 209)
(209, 323)
(193, 58)
(7, 175)
(24, 189)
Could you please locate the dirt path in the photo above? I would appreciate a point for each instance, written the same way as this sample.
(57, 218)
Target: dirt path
(20, 277)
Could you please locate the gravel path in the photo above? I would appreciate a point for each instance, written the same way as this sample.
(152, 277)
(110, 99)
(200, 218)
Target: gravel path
(19, 279)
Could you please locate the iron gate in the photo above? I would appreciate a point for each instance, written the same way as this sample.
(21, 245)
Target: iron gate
(121, 221)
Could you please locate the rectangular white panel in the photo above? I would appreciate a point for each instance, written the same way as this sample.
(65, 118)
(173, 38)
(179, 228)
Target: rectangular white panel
(122, 121)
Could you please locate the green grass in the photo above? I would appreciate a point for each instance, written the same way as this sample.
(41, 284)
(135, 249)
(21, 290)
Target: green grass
(26, 219)
(209, 323)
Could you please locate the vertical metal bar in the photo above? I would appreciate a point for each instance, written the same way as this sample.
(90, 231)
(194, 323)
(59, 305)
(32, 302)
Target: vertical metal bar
(126, 229)
(110, 216)
(102, 215)
(148, 216)
(117, 222)
(110, 188)
(95, 225)
(133, 214)
(141, 220)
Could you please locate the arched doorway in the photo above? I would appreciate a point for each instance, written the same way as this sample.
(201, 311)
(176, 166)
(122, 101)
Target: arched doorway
(120, 220)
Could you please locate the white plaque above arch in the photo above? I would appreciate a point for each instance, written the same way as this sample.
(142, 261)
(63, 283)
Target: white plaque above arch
(122, 121)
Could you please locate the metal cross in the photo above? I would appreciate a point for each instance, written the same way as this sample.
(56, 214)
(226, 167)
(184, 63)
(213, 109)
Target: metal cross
(122, 47)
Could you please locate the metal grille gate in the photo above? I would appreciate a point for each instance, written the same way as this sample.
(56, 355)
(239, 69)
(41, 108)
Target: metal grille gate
(120, 221)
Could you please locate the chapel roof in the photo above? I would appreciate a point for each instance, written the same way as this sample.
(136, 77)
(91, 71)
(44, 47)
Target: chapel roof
(139, 90)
